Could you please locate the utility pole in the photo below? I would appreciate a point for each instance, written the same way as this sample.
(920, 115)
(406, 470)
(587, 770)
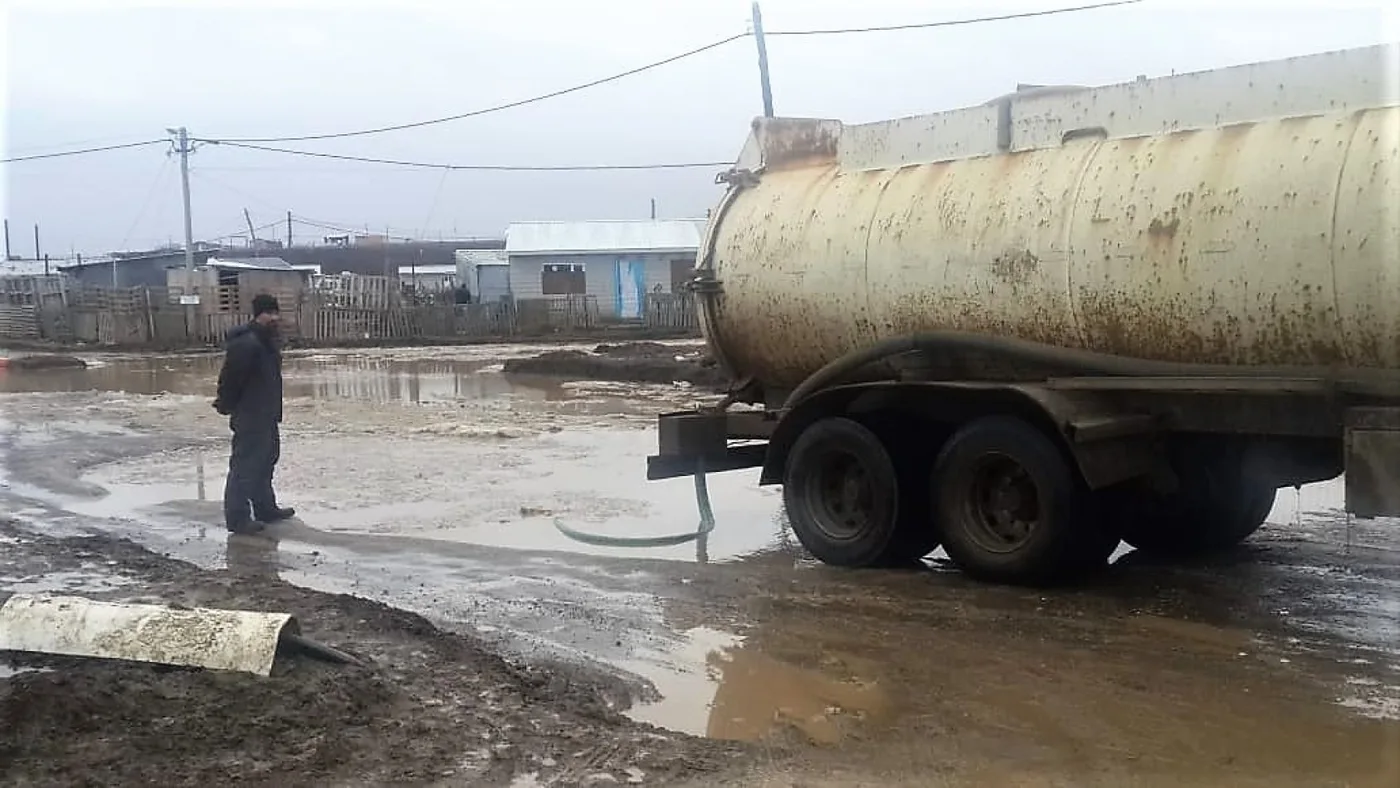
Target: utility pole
(183, 137)
(762, 61)
(289, 229)
(7, 240)
(189, 297)
(36, 240)
(653, 208)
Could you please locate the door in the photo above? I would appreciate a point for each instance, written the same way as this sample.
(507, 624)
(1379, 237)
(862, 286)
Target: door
(629, 283)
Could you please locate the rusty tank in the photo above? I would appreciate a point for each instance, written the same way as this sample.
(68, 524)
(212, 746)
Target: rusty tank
(1242, 216)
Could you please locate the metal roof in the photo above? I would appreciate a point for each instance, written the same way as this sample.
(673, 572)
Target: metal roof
(482, 257)
(27, 267)
(250, 263)
(603, 236)
(427, 270)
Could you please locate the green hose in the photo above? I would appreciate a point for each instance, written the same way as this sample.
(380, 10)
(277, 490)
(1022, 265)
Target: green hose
(702, 502)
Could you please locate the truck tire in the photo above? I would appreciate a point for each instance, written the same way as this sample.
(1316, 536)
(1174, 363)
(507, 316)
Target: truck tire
(1011, 507)
(842, 493)
(1205, 516)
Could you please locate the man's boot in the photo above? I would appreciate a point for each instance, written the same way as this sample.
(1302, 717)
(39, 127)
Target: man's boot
(246, 527)
(278, 514)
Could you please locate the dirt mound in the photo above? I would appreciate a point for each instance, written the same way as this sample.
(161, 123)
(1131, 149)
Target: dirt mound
(431, 706)
(632, 362)
(43, 361)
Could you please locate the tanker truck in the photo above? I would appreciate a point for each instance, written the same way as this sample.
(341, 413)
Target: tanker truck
(1028, 330)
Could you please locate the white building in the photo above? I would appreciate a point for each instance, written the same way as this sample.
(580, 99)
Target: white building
(615, 261)
(486, 272)
(429, 278)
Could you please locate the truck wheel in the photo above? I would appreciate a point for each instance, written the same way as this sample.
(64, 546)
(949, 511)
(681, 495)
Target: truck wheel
(841, 491)
(1007, 500)
(1202, 518)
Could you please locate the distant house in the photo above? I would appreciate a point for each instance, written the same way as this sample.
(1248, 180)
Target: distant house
(486, 272)
(135, 269)
(429, 278)
(614, 261)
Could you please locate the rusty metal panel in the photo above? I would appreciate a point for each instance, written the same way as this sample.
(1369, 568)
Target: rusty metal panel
(790, 253)
(1365, 241)
(1373, 462)
(920, 139)
(1215, 246)
(1330, 82)
(977, 245)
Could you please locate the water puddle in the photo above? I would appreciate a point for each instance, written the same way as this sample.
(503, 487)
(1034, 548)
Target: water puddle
(389, 377)
(590, 480)
(714, 684)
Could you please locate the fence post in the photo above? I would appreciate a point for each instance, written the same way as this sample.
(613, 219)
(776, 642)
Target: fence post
(150, 318)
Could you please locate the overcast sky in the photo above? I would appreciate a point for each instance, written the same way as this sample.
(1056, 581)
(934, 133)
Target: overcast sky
(78, 74)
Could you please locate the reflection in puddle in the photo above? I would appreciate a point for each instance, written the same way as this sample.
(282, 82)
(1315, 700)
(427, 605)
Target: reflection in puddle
(370, 378)
(717, 686)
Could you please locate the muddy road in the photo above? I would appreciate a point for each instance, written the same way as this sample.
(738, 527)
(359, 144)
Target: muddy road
(427, 484)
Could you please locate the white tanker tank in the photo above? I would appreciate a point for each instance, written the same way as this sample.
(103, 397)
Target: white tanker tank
(1026, 330)
(1242, 216)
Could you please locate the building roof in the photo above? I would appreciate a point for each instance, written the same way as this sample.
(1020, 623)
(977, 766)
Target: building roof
(250, 263)
(603, 236)
(427, 270)
(26, 267)
(482, 257)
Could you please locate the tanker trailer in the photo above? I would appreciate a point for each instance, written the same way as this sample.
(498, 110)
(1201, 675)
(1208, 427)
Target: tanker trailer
(1072, 316)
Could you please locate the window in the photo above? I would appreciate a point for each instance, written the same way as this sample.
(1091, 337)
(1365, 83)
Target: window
(563, 279)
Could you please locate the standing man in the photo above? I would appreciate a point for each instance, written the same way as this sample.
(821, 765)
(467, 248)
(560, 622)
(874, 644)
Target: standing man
(250, 394)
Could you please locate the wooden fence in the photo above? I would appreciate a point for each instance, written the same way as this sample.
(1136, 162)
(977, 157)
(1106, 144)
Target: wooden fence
(142, 317)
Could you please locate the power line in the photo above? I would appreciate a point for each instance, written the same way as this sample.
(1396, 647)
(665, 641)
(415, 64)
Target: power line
(146, 203)
(500, 107)
(476, 167)
(672, 59)
(953, 22)
(328, 226)
(82, 151)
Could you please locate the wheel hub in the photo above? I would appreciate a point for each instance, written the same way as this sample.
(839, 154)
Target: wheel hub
(843, 498)
(1004, 504)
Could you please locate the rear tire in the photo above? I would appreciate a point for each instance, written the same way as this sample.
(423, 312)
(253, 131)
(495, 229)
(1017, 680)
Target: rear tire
(842, 492)
(1212, 512)
(1011, 507)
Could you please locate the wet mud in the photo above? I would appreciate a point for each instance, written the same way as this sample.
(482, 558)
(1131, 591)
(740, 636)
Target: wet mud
(429, 706)
(41, 361)
(428, 483)
(633, 362)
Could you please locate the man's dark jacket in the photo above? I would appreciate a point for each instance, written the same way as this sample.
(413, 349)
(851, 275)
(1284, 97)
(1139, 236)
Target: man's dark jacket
(250, 383)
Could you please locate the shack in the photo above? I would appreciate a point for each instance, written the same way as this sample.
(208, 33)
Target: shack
(229, 284)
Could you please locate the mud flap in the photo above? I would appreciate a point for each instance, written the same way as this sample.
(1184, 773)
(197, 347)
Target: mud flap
(1373, 462)
(236, 640)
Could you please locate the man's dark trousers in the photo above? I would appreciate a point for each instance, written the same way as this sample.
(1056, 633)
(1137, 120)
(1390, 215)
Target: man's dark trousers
(248, 494)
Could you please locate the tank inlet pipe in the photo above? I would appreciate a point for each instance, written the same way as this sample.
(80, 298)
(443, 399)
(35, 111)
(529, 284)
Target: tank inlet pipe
(702, 502)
